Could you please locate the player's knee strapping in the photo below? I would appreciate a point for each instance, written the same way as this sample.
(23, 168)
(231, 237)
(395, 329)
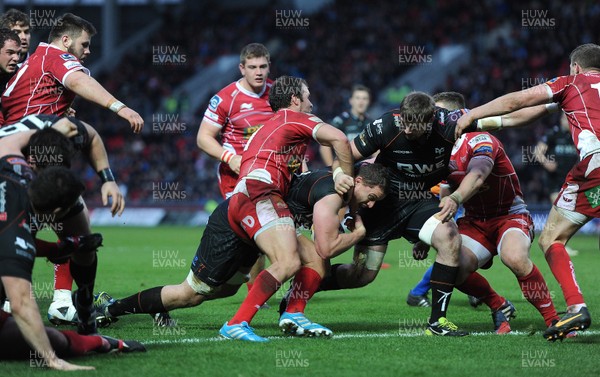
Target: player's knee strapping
(204, 289)
(426, 232)
(369, 259)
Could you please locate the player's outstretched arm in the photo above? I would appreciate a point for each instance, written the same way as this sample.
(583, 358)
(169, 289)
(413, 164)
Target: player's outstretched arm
(329, 242)
(90, 89)
(517, 118)
(27, 316)
(208, 141)
(537, 95)
(98, 159)
(477, 172)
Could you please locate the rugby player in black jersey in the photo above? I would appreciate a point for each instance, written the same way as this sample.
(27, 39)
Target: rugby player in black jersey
(415, 143)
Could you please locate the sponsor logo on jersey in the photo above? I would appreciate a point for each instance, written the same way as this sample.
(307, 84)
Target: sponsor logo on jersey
(479, 139)
(361, 137)
(439, 151)
(552, 80)
(398, 120)
(248, 221)
(209, 114)
(249, 131)
(214, 102)
(68, 57)
(71, 65)
(246, 106)
(593, 196)
(483, 150)
(521, 221)
(3, 201)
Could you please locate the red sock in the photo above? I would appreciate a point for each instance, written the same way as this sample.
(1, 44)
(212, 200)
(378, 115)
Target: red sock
(249, 285)
(562, 268)
(265, 285)
(535, 290)
(82, 344)
(62, 276)
(304, 287)
(477, 286)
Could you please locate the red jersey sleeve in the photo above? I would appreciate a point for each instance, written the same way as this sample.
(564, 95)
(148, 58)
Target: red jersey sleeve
(482, 145)
(218, 109)
(557, 87)
(62, 65)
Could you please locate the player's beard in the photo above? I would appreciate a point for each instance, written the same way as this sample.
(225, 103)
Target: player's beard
(73, 52)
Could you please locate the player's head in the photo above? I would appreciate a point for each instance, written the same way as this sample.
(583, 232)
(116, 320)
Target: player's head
(370, 185)
(360, 99)
(449, 100)
(47, 148)
(73, 34)
(55, 190)
(290, 92)
(18, 22)
(417, 111)
(9, 51)
(584, 58)
(254, 65)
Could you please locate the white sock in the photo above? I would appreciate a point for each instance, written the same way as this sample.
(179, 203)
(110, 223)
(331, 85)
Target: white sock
(575, 308)
(62, 295)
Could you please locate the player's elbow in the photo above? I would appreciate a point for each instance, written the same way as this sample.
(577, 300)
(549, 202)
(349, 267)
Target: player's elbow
(323, 249)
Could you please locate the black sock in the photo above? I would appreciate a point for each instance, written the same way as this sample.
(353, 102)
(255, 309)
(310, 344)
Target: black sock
(84, 277)
(442, 284)
(147, 301)
(330, 282)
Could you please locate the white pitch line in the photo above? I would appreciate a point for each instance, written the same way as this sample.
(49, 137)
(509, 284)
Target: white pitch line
(353, 336)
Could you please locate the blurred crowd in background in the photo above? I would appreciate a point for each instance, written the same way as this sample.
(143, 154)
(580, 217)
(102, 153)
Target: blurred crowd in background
(345, 43)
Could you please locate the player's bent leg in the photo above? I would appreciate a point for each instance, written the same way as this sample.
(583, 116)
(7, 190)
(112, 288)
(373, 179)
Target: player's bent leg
(276, 239)
(364, 269)
(514, 252)
(74, 223)
(280, 245)
(292, 320)
(445, 239)
(559, 228)
(468, 263)
(82, 267)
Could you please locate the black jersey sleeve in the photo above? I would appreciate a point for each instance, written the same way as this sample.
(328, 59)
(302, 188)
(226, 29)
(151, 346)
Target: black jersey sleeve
(377, 134)
(30, 122)
(81, 141)
(445, 122)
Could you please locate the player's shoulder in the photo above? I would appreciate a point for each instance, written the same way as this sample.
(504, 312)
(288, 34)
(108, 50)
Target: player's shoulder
(223, 96)
(300, 117)
(392, 117)
(475, 138)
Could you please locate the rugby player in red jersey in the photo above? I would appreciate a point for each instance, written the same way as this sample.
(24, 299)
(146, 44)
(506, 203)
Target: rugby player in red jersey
(235, 113)
(53, 75)
(47, 84)
(257, 209)
(578, 95)
(496, 222)
(232, 116)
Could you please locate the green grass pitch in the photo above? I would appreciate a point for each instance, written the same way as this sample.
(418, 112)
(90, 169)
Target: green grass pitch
(375, 332)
